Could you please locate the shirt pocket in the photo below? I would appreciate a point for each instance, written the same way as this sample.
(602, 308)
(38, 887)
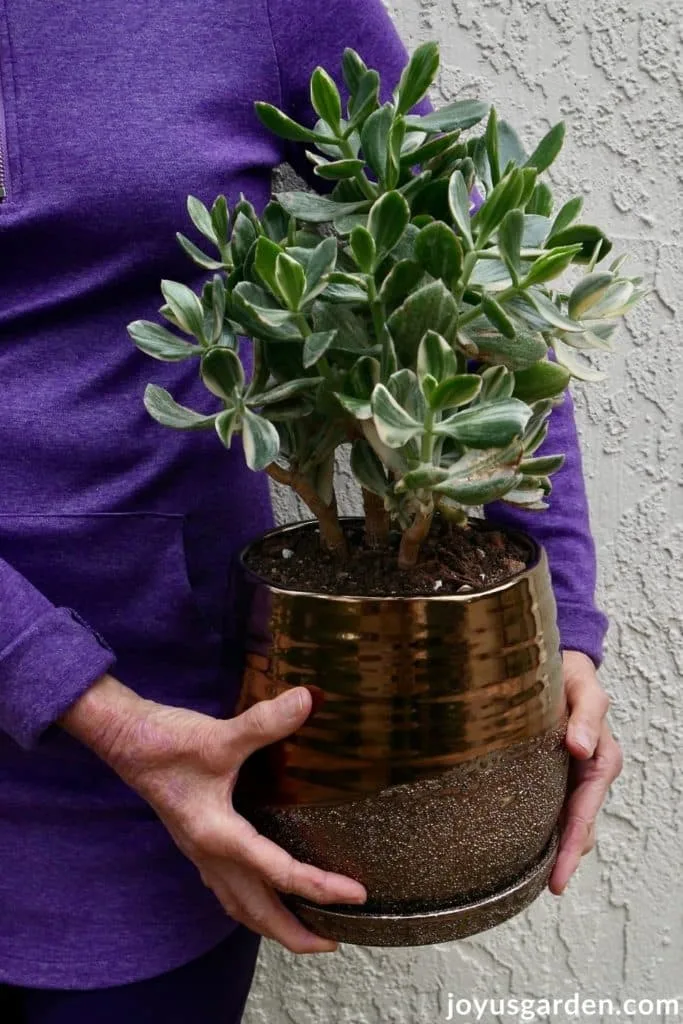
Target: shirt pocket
(127, 575)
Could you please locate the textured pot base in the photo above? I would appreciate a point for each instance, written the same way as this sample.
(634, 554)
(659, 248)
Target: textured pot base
(422, 929)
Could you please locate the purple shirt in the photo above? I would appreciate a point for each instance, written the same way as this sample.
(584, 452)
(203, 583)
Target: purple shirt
(116, 536)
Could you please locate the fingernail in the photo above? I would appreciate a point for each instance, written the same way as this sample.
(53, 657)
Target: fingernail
(583, 738)
(292, 703)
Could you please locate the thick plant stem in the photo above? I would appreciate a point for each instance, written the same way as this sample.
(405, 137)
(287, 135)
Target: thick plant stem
(412, 539)
(377, 521)
(331, 533)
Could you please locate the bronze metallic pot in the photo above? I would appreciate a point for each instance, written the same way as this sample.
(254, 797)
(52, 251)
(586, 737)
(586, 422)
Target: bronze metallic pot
(432, 768)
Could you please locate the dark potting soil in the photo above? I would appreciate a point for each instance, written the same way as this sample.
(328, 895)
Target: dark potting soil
(453, 560)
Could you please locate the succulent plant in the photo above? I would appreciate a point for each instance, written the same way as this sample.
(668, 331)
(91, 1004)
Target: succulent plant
(419, 310)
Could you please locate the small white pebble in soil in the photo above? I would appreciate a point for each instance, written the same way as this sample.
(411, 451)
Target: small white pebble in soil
(482, 554)
(287, 553)
(438, 584)
(464, 589)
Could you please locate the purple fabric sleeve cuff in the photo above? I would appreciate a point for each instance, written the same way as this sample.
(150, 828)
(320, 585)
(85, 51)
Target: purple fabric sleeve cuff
(45, 669)
(582, 628)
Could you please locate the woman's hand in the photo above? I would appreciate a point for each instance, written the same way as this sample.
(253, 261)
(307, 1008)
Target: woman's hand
(185, 764)
(596, 762)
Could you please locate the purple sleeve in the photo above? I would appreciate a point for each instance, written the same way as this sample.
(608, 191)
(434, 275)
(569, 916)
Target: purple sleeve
(564, 530)
(48, 658)
(305, 35)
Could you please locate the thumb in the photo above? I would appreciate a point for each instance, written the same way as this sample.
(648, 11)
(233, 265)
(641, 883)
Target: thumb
(269, 720)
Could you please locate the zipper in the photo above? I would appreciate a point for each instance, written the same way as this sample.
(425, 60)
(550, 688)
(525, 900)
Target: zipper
(3, 149)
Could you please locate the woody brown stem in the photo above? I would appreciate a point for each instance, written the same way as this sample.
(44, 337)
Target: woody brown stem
(412, 539)
(377, 522)
(331, 533)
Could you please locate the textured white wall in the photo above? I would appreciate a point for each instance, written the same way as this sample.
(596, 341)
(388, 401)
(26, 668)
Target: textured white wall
(614, 70)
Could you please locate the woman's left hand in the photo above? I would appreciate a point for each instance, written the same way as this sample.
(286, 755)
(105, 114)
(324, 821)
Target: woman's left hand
(596, 762)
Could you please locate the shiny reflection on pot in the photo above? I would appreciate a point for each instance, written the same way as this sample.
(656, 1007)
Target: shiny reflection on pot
(403, 688)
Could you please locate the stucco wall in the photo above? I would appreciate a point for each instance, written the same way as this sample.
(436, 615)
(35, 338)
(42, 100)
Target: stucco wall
(613, 70)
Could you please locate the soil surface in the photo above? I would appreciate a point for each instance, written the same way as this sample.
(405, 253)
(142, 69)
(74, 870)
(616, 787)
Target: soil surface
(453, 560)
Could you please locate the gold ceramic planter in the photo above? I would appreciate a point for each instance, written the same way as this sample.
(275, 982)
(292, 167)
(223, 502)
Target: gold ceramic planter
(432, 768)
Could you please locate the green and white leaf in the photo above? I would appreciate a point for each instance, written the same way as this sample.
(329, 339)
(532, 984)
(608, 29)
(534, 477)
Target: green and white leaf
(459, 203)
(431, 307)
(260, 439)
(282, 125)
(226, 424)
(478, 492)
(548, 311)
(417, 76)
(284, 392)
(439, 251)
(388, 219)
(488, 425)
(510, 236)
(196, 254)
(435, 357)
(543, 466)
(548, 148)
(536, 231)
(325, 98)
(222, 372)
(587, 292)
(201, 218)
(156, 341)
(185, 306)
(576, 365)
(291, 280)
(165, 410)
(374, 138)
(316, 345)
(544, 380)
(455, 391)
(321, 262)
(460, 114)
(316, 209)
(395, 426)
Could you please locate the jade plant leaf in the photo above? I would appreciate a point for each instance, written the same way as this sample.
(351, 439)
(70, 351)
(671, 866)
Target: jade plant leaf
(222, 372)
(325, 97)
(165, 410)
(460, 114)
(455, 391)
(185, 306)
(488, 425)
(387, 221)
(548, 148)
(156, 341)
(282, 125)
(544, 380)
(431, 307)
(435, 357)
(318, 209)
(394, 425)
(260, 439)
(439, 251)
(316, 345)
(417, 76)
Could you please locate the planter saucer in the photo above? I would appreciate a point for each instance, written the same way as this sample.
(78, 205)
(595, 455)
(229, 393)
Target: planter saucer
(421, 929)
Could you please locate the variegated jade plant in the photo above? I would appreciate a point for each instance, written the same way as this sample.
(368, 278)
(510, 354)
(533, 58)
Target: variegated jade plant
(418, 327)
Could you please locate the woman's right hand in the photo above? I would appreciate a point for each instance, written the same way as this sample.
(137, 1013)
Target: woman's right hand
(185, 764)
